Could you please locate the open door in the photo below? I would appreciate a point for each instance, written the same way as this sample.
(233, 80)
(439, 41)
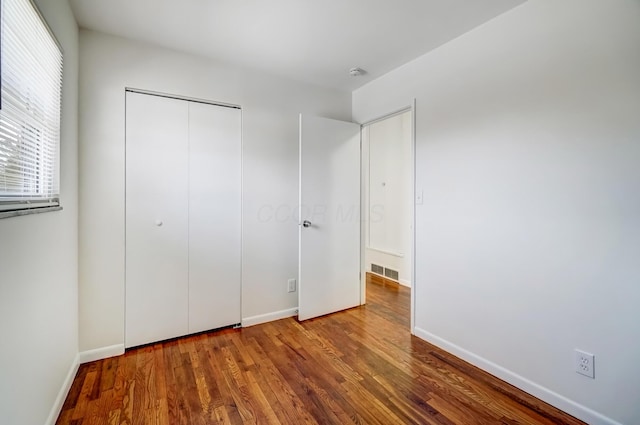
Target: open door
(329, 244)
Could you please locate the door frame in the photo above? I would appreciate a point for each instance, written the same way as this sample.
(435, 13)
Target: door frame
(363, 205)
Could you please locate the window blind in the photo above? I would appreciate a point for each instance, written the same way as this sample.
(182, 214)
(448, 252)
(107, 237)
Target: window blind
(30, 109)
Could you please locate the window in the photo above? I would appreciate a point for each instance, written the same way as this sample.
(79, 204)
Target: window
(30, 104)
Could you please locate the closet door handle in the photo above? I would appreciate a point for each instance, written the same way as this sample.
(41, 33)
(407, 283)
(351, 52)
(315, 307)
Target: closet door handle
(306, 223)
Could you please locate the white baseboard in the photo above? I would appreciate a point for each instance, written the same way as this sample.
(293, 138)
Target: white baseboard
(101, 353)
(269, 317)
(64, 390)
(83, 357)
(403, 282)
(571, 407)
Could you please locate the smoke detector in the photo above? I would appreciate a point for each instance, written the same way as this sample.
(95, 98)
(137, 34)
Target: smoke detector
(356, 72)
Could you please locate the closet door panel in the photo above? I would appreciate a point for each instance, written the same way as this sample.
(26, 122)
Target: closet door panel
(156, 219)
(214, 216)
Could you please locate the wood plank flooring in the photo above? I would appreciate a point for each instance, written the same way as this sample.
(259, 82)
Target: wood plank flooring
(359, 366)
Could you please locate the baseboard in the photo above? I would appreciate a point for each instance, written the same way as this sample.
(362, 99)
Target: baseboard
(405, 282)
(101, 353)
(64, 390)
(571, 407)
(269, 317)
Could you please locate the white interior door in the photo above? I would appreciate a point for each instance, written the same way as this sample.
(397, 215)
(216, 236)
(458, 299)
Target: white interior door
(329, 257)
(156, 218)
(214, 216)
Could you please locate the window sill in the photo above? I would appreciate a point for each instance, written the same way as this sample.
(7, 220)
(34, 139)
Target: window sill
(29, 211)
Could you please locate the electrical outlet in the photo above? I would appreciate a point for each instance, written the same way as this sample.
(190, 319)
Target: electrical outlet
(291, 285)
(584, 363)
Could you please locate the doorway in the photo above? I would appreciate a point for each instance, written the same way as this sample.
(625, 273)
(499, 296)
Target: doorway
(387, 199)
(356, 207)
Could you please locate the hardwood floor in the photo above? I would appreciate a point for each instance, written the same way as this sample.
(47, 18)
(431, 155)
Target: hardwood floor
(359, 366)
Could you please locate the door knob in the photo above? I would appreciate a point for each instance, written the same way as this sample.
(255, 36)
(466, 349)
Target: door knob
(158, 223)
(306, 223)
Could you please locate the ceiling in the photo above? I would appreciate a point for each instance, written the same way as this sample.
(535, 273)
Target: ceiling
(316, 41)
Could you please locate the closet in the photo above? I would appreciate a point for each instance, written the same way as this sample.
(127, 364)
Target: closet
(183, 217)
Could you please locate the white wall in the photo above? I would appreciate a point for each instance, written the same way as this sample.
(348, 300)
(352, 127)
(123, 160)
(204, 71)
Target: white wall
(270, 193)
(528, 153)
(387, 185)
(39, 272)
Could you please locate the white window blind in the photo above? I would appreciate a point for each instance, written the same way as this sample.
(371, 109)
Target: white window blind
(31, 71)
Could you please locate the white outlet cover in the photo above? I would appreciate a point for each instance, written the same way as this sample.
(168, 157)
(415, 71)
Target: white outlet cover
(291, 285)
(584, 363)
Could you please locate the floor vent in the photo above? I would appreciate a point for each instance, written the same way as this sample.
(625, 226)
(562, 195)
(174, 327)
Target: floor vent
(377, 269)
(391, 274)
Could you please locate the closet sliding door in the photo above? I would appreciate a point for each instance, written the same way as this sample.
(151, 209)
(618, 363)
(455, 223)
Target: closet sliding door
(214, 216)
(183, 217)
(157, 218)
